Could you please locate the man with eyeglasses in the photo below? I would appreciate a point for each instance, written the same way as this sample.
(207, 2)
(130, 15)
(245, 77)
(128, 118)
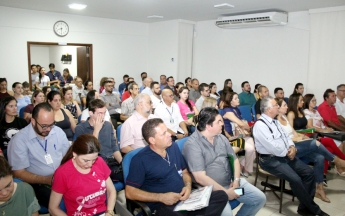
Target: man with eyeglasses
(112, 102)
(78, 92)
(36, 151)
(170, 113)
(131, 137)
(204, 90)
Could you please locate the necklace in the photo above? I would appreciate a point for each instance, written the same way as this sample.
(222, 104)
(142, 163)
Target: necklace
(168, 161)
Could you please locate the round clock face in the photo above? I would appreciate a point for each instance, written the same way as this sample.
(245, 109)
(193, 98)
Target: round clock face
(61, 28)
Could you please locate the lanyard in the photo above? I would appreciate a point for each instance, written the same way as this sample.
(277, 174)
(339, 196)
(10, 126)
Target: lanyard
(45, 146)
(172, 110)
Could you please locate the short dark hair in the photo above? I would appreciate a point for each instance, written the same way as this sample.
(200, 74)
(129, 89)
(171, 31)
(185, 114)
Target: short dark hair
(25, 84)
(141, 75)
(15, 84)
(326, 94)
(51, 95)
(339, 86)
(131, 86)
(277, 89)
(245, 82)
(153, 84)
(5, 168)
(45, 89)
(52, 65)
(202, 87)
(107, 81)
(186, 80)
(125, 76)
(206, 117)
(162, 75)
(86, 83)
(96, 104)
(148, 129)
(33, 65)
(169, 78)
(42, 106)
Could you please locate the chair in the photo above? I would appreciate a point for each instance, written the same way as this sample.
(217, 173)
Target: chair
(220, 112)
(246, 114)
(21, 112)
(43, 209)
(180, 143)
(132, 204)
(79, 119)
(273, 188)
(254, 112)
(118, 133)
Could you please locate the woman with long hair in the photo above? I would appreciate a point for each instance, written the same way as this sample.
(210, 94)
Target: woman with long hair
(3, 89)
(88, 86)
(231, 114)
(37, 97)
(309, 149)
(63, 118)
(299, 88)
(92, 95)
(66, 78)
(68, 103)
(256, 92)
(15, 198)
(177, 87)
(188, 82)
(22, 101)
(213, 91)
(10, 124)
(187, 107)
(83, 181)
(42, 79)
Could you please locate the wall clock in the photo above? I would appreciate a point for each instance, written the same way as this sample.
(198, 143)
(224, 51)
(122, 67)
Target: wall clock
(61, 28)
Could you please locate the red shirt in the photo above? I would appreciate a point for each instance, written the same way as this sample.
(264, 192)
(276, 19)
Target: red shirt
(125, 95)
(328, 112)
(84, 194)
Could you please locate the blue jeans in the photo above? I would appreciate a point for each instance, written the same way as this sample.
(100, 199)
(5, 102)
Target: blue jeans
(253, 200)
(298, 174)
(313, 153)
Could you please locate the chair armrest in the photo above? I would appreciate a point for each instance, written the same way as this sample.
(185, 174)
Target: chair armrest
(132, 204)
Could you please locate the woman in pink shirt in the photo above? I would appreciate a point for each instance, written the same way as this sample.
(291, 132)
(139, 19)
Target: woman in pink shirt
(187, 107)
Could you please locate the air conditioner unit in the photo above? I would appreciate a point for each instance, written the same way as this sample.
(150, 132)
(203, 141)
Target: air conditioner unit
(253, 20)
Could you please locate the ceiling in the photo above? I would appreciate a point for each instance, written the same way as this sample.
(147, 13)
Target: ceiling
(194, 10)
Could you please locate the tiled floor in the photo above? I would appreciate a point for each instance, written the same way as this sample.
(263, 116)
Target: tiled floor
(335, 192)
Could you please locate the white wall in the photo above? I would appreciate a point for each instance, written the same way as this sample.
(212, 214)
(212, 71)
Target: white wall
(40, 55)
(273, 56)
(55, 53)
(119, 47)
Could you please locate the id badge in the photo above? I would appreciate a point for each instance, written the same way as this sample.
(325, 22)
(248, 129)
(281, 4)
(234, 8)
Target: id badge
(48, 158)
(171, 121)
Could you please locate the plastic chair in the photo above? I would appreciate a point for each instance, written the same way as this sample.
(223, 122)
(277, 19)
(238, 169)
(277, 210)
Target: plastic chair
(132, 204)
(246, 114)
(118, 133)
(180, 143)
(220, 112)
(43, 209)
(253, 112)
(21, 112)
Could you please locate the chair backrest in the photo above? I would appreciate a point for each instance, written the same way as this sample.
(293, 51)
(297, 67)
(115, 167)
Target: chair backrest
(253, 112)
(220, 112)
(246, 114)
(118, 133)
(126, 162)
(79, 119)
(21, 112)
(181, 142)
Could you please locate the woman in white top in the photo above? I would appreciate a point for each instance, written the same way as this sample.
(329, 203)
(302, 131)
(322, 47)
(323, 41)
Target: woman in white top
(42, 80)
(93, 94)
(213, 89)
(309, 149)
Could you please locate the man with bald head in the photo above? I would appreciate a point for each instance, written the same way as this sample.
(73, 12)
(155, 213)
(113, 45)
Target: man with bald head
(170, 113)
(194, 93)
(131, 137)
(147, 83)
(36, 151)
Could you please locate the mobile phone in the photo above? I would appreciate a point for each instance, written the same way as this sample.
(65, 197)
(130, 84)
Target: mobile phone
(239, 191)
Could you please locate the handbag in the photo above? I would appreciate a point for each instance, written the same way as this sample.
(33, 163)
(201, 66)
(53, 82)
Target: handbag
(116, 169)
(239, 130)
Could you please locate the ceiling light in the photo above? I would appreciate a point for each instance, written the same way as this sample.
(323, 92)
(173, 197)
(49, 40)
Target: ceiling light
(155, 17)
(77, 6)
(224, 6)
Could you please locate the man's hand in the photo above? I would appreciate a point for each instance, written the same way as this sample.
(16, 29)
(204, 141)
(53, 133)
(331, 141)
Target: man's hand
(98, 123)
(231, 193)
(185, 192)
(291, 153)
(169, 198)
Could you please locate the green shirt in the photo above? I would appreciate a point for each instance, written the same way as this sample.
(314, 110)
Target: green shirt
(22, 203)
(247, 99)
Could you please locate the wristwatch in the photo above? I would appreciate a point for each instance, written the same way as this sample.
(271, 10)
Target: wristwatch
(238, 179)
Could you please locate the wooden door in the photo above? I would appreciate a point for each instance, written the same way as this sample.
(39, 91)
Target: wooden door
(83, 63)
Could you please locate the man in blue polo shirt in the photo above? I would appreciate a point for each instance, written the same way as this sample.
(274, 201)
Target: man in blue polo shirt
(158, 175)
(246, 97)
(53, 74)
(36, 151)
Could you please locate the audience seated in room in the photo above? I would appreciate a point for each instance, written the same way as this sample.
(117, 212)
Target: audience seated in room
(68, 102)
(93, 94)
(131, 137)
(112, 102)
(15, 198)
(127, 106)
(22, 101)
(231, 114)
(169, 112)
(277, 154)
(262, 92)
(204, 90)
(54, 75)
(63, 118)
(246, 97)
(10, 124)
(42, 79)
(153, 179)
(104, 132)
(83, 164)
(37, 97)
(36, 151)
(194, 93)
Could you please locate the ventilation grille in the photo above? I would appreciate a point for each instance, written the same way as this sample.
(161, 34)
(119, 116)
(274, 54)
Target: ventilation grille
(244, 20)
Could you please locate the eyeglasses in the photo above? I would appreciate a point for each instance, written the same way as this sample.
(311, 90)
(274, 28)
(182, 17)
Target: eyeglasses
(341, 90)
(171, 96)
(45, 127)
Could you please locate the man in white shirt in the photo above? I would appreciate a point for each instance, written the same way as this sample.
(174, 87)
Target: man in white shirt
(156, 94)
(169, 112)
(34, 74)
(78, 91)
(147, 83)
(340, 103)
(277, 156)
(204, 90)
(127, 106)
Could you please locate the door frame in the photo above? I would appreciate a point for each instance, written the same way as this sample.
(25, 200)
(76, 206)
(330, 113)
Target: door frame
(29, 43)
